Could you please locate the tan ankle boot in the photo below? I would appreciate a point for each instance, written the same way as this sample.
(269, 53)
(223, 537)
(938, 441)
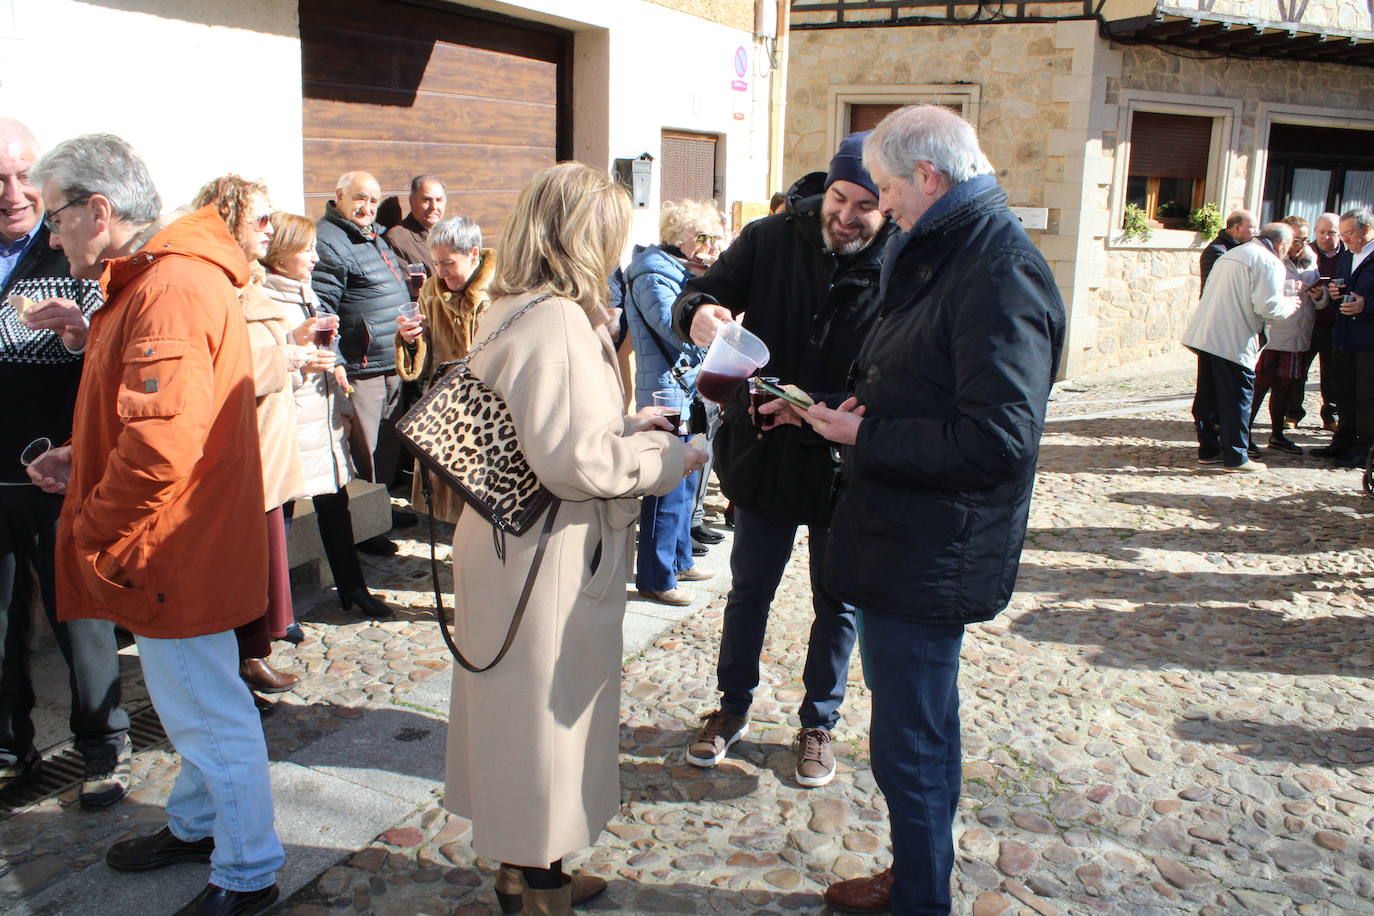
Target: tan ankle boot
(510, 887)
(548, 903)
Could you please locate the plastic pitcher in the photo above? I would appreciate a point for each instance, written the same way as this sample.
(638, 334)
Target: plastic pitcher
(735, 355)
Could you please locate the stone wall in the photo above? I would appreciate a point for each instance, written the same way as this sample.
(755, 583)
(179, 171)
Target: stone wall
(1147, 294)
(737, 14)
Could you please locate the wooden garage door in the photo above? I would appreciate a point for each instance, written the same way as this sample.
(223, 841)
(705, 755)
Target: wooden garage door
(399, 88)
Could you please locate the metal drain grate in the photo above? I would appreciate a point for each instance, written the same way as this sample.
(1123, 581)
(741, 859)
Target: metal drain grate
(66, 768)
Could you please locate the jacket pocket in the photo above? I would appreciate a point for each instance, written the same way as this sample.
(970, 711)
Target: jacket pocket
(152, 385)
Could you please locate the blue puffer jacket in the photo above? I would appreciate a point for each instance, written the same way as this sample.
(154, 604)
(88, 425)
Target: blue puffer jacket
(655, 279)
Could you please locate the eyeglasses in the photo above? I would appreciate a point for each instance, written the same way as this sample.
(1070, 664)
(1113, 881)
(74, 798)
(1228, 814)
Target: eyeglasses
(49, 220)
(258, 223)
(704, 239)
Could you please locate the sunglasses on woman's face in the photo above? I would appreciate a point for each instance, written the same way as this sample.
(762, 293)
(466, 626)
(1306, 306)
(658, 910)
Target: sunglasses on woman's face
(259, 223)
(704, 239)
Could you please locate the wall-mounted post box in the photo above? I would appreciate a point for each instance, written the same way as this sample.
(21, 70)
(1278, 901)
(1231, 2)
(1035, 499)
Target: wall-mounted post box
(636, 175)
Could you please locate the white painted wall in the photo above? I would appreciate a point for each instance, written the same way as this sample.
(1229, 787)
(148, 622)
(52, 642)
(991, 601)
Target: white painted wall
(204, 87)
(199, 87)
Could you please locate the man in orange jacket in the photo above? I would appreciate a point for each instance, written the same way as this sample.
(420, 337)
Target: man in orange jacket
(161, 530)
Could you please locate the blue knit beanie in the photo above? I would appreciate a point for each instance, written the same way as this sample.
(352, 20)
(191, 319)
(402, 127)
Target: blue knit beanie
(848, 164)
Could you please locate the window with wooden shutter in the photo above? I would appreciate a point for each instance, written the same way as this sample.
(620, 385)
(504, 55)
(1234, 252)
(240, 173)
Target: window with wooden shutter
(866, 117)
(1167, 174)
(688, 167)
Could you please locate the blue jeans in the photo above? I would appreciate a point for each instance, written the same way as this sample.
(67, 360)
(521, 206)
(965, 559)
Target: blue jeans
(223, 788)
(665, 537)
(913, 670)
(757, 560)
(1221, 409)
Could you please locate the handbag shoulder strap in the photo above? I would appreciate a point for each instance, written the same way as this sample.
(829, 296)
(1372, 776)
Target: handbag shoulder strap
(462, 364)
(439, 609)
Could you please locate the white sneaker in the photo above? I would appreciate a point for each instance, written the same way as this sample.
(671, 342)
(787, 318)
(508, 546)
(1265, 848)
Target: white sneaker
(1249, 467)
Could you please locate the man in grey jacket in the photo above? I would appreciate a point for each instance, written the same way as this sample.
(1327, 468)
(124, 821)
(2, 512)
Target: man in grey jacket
(1245, 289)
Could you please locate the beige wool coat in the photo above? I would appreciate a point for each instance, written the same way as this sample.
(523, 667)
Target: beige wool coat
(532, 743)
(273, 363)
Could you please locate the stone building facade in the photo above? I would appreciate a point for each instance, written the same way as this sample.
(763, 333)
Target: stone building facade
(1054, 101)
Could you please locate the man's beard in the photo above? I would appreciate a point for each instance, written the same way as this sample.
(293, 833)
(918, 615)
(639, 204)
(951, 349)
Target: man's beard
(835, 246)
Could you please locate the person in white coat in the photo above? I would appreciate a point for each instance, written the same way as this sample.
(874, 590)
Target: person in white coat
(1245, 289)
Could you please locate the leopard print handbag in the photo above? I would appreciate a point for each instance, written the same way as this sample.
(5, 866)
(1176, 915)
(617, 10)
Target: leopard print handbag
(462, 431)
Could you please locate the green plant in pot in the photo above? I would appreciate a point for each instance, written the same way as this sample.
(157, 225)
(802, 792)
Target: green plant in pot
(1133, 224)
(1206, 219)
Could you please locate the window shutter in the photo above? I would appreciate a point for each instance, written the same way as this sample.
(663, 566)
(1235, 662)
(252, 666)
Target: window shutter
(689, 166)
(866, 117)
(1170, 145)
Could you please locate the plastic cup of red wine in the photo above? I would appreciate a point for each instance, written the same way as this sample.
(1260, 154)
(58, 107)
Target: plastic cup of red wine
(325, 327)
(668, 403)
(759, 395)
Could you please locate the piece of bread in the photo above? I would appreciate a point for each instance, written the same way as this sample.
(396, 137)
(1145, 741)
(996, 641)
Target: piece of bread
(22, 304)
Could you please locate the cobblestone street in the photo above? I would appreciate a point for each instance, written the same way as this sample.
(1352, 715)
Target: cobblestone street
(1176, 715)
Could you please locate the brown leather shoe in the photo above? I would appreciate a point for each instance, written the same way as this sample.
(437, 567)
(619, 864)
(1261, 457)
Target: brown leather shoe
(510, 888)
(694, 574)
(263, 677)
(862, 895)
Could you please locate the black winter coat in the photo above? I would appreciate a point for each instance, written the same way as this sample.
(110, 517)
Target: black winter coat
(1215, 249)
(935, 494)
(813, 310)
(355, 279)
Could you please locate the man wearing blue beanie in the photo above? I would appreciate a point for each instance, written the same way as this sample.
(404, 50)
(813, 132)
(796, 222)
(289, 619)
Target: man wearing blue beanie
(808, 280)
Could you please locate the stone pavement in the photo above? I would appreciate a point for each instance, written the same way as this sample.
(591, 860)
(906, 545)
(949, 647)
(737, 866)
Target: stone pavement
(1176, 715)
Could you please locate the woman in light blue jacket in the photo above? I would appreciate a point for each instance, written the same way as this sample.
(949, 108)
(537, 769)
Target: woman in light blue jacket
(691, 234)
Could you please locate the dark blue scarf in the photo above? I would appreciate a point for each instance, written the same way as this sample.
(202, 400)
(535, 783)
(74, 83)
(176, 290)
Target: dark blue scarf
(956, 196)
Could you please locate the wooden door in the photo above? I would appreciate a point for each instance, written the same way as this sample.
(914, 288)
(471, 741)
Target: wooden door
(400, 89)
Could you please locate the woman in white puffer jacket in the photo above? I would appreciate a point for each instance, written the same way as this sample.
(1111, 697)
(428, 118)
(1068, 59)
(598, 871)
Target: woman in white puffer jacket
(323, 413)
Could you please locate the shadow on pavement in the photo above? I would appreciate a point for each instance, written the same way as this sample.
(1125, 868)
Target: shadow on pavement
(1237, 638)
(1336, 747)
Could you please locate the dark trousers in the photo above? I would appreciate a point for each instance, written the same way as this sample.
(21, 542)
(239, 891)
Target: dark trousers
(1282, 393)
(1321, 347)
(665, 537)
(913, 670)
(1353, 372)
(757, 560)
(1221, 409)
(336, 534)
(28, 533)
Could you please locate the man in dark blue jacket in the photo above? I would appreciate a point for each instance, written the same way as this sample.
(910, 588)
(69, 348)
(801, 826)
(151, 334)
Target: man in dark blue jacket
(358, 279)
(808, 280)
(1352, 361)
(940, 439)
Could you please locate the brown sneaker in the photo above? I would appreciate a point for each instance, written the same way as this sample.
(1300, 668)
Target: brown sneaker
(815, 758)
(862, 895)
(715, 737)
(694, 574)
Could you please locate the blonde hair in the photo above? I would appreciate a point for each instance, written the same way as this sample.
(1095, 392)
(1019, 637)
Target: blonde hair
(565, 235)
(292, 234)
(231, 195)
(681, 216)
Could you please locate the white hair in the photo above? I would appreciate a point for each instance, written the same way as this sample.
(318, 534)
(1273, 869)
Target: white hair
(347, 178)
(106, 165)
(1333, 217)
(930, 134)
(456, 232)
(1361, 217)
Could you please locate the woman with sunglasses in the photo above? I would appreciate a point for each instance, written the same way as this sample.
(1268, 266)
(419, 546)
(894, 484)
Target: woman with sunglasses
(245, 207)
(691, 233)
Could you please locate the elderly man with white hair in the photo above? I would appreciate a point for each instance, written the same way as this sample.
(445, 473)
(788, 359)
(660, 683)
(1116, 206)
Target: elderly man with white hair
(1352, 361)
(359, 279)
(940, 433)
(1246, 289)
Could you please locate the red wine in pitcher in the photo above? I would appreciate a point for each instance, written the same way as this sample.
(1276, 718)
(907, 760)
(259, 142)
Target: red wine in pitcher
(717, 387)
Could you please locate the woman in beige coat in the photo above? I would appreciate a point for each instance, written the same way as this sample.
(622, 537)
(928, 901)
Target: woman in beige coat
(532, 749)
(245, 208)
(452, 302)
